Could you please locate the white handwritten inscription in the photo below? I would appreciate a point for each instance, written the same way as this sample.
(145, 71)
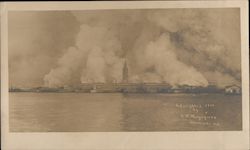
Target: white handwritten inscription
(198, 114)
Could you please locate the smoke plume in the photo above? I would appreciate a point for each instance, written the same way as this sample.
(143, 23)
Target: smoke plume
(93, 59)
(178, 47)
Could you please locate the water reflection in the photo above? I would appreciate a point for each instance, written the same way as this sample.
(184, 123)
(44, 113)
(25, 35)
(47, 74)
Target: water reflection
(98, 112)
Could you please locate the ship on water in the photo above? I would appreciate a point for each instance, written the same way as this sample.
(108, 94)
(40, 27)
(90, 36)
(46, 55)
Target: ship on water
(93, 90)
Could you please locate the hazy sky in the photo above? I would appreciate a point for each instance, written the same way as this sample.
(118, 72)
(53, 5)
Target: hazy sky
(177, 46)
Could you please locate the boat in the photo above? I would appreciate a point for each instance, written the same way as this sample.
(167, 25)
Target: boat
(93, 90)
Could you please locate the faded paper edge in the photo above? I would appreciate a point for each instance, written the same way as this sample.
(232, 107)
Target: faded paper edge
(125, 140)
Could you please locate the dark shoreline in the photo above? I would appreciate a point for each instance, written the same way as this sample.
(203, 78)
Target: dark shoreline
(132, 88)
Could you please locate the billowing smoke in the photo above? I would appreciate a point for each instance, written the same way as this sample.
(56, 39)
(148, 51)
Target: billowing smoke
(199, 46)
(160, 56)
(93, 59)
(67, 71)
(172, 46)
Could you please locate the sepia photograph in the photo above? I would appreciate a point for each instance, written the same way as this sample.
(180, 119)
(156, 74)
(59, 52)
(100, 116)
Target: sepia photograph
(144, 75)
(175, 69)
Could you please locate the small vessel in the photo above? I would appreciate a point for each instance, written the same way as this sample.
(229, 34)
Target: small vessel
(93, 90)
